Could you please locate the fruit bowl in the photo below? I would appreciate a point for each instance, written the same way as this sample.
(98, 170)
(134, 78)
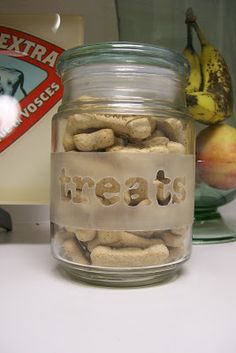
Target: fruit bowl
(215, 182)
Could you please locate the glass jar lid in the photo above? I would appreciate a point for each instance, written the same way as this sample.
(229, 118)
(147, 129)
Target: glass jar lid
(126, 52)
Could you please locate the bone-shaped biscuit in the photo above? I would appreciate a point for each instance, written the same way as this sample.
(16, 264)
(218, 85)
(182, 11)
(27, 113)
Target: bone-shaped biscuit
(125, 239)
(94, 141)
(83, 234)
(173, 240)
(73, 252)
(129, 257)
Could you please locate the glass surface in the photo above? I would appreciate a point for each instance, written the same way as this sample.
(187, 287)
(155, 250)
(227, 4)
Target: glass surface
(123, 52)
(119, 139)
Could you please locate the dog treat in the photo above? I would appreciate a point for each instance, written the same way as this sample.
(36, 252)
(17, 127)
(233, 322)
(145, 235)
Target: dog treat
(128, 148)
(68, 142)
(129, 257)
(161, 147)
(158, 149)
(112, 240)
(90, 245)
(73, 252)
(145, 202)
(134, 148)
(173, 129)
(121, 141)
(140, 128)
(127, 198)
(129, 134)
(155, 141)
(119, 239)
(137, 195)
(144, 234)
(175, 253)
(61, 236)
(175, 147)
(85, 235)
(94, 141)
(116, 148)
(132, 126)
(70, 229)
(82, 234)
(173, 240)
(107, 185)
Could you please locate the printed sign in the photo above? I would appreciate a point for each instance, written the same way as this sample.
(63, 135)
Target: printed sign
(29, 85)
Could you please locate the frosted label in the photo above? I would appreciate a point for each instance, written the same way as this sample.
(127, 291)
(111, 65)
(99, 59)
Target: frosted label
(122, 191)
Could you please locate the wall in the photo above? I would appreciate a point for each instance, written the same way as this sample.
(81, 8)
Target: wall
(99, 15)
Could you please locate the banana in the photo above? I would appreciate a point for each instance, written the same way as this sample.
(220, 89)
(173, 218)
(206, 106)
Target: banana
(214, 102)
(206, 107)
(194, 79)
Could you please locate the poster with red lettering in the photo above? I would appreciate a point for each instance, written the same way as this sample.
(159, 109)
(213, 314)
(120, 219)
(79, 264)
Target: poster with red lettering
(29, 84)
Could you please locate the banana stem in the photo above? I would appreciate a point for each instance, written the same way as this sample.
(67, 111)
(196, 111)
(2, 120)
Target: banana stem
(200, 34)
(189, 37)
(192, 21)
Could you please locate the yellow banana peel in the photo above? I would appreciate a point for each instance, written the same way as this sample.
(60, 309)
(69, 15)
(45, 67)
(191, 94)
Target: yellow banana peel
(206, 107)
(194, 79)
(213, 102)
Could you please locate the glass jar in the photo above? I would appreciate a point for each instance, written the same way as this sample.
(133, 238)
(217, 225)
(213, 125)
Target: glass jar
(122, 185)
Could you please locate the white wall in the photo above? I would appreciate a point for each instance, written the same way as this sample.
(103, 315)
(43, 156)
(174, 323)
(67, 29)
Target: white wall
(99, 15)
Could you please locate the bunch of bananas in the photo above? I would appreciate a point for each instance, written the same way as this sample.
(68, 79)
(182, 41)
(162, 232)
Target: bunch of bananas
(209, 90)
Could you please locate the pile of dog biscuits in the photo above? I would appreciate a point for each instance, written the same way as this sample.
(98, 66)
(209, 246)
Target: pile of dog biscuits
(128, 133)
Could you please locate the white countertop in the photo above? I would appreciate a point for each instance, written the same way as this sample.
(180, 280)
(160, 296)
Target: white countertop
(44, 311)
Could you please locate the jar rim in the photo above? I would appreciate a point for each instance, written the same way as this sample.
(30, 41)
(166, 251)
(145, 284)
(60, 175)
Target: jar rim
(122, 52)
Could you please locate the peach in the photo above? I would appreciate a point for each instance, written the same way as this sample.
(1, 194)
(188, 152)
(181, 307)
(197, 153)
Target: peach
(216, 156)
